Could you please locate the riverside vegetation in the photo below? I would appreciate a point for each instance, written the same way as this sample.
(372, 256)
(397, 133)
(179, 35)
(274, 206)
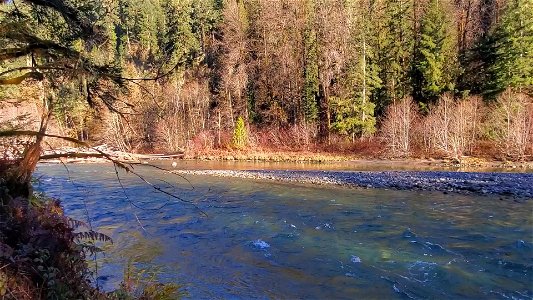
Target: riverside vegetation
(367, 78)
(376, 78)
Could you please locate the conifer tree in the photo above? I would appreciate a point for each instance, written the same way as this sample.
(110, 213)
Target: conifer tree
(121, 32)
(511, 49)
(353, 117)
(180, 45)
(395, 46)
(205, 16)
(311, 88)
(354, 112)
(52, 43)
(240, 136)
(435, 55)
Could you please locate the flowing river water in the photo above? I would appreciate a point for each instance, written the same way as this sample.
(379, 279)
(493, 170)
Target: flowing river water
(264, 239)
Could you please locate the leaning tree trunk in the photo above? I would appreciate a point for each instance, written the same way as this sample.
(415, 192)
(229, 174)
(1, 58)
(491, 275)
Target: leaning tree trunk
(19, 175)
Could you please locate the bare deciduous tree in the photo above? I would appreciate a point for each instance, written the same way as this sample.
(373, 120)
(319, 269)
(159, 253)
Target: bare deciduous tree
(451, 127)
(396, 128)
(510, 124)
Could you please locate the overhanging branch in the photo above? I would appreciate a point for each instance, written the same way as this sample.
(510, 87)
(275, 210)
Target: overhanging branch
(123, 165)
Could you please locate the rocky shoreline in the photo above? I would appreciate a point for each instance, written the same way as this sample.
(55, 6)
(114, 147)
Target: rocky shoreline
(509, 185)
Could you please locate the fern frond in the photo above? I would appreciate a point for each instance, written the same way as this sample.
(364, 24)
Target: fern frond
(90, 249)
(92, 235)
(76, 223)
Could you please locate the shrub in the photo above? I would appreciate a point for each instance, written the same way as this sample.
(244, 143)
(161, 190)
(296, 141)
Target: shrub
(38, 252)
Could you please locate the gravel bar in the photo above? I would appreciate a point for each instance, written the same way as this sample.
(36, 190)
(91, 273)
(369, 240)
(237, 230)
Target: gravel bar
(514, 185)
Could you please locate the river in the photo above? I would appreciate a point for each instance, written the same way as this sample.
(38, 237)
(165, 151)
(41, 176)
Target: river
(245, 238)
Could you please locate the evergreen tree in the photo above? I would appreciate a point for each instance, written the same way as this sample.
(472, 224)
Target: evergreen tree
(127, 29)
(353, 116)
(435, 54)
(52, 43)
(179, 43)
(354, 113)
(206, 14)
(149, 20)
(121, 31)
(240, 136)
(393, 32)
(311, 80)
(510, 49)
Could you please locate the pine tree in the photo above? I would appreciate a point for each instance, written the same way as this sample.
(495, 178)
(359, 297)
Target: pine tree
(435, 55)
(311, 88)
(511, 49)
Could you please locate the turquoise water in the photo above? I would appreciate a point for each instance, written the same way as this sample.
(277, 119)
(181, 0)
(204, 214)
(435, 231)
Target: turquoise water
(274, 240)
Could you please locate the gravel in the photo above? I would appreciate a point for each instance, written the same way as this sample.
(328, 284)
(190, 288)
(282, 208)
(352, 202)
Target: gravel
(514, 185)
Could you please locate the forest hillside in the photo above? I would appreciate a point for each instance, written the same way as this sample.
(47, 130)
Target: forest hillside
(439, 78)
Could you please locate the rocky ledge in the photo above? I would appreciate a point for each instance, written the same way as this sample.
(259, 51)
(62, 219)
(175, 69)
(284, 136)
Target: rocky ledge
(513, 185)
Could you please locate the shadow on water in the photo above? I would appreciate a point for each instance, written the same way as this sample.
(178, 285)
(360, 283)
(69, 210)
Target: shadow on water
(272, 240)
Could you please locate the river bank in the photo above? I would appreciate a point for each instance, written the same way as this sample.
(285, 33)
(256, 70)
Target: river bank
(469, 175)
(98, 155)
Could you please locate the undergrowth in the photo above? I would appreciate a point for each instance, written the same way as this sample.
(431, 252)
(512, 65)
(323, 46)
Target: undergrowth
(39, 255)
(43, 255)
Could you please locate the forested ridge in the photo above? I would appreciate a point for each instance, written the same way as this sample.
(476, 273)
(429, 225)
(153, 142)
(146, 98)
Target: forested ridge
(433, 76)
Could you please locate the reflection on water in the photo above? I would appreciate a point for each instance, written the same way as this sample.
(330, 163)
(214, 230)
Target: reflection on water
(355, 165)
(279, 240)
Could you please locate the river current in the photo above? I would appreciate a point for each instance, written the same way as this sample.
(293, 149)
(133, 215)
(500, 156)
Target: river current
(245, 238)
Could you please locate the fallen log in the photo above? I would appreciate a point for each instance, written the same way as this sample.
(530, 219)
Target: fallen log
(71, 155)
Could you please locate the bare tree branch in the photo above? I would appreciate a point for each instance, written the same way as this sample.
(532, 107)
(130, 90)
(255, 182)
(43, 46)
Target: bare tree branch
(123, 165)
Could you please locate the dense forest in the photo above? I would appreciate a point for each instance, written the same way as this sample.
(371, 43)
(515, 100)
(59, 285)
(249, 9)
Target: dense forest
(447, 77)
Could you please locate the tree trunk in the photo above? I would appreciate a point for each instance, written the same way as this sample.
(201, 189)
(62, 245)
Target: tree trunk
(19, 176)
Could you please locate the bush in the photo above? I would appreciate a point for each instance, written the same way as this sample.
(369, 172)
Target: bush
(38, 252)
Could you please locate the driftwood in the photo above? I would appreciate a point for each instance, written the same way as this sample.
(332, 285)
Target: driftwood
(71, 155)
(157, 156)
(85, 153)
